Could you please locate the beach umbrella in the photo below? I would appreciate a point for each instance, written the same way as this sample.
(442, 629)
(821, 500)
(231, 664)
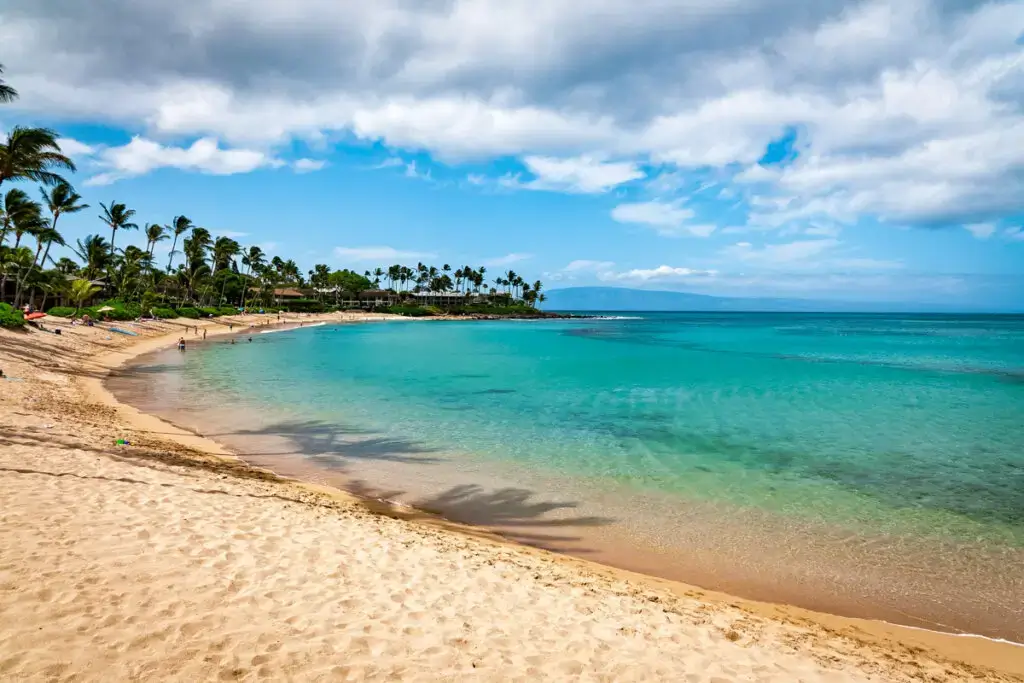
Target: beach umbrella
(105, 309)
(35, 316)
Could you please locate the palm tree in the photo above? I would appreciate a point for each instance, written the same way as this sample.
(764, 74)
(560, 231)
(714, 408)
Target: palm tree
(252, 260)
(61, 199)
(16, 206)
(95, 255)
(45, 236)
(25, 217)
(179, 226)
(31, 154)
(118, 217)
(7, 93)
(224, 249)
(65, 266)
(154, 233)
(80, 291)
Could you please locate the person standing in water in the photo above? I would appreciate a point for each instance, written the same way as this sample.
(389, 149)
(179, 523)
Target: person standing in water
(181, 343)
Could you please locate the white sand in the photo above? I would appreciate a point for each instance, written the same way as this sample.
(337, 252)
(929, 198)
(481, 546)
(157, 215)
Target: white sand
(156, 562)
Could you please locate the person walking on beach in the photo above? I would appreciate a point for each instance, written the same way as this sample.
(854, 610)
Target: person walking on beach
(204, 334)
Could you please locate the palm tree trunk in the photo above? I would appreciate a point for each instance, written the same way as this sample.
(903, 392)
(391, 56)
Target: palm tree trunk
(113, 232)
(170, 257)
(24, 278)
(245, 286)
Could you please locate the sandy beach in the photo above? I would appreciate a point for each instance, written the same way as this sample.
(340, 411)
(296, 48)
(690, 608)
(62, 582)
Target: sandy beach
(169, 559)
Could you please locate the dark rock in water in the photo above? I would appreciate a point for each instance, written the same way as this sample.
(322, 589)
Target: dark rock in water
(496, 391)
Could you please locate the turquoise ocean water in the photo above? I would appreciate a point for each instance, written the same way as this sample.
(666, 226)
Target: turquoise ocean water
(902, 425)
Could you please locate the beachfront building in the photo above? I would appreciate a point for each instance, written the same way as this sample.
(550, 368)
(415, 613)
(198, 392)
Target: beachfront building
(445, 299)
(286, 294)
(368, 298)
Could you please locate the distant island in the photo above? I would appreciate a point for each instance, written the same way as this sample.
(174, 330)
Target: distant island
(590, 299)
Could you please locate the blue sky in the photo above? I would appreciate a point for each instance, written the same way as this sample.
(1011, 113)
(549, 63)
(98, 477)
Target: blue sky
(846, 150)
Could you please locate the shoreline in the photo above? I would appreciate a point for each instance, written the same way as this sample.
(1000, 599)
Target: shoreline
(630, 541)
(968, 650)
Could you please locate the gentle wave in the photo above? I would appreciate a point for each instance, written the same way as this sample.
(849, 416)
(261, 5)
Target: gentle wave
(289, 329)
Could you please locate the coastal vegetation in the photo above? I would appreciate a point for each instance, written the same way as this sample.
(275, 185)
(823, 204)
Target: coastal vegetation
(205, 274)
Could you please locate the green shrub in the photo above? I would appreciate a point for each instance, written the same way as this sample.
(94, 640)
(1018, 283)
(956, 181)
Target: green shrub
(62, 312)
(188, 312)
(300, 306)
(411, 311)
(228, 310)
(10, 317)
(122, 310)
(209, 311)
(164, 312)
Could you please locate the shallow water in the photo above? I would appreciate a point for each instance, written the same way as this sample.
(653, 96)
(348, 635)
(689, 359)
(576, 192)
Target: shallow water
(891, 440)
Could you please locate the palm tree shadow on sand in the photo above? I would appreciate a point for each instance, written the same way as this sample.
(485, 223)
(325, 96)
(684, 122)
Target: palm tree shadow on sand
(516, 514)
(330, 445)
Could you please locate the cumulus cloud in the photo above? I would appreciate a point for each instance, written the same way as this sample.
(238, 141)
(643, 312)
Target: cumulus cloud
(667, 218)
(75, 149)
(380, 253)
(308, 165)
(140, 156)
(905, 110)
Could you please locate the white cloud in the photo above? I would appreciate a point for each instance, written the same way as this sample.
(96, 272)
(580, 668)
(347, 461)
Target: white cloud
(906, 110)
(75, 149)
(232, 234)
(981, 231)
(666, 218)
(583, 174)
(661, 273)
(380, 253)
(308, 165)
(1014, 234)
(141, 156)
(507, 259)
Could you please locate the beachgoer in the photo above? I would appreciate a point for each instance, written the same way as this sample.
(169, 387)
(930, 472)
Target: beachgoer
(230, 327)
(204, 333)
(232, 340)
(181, 343)
(250, 340)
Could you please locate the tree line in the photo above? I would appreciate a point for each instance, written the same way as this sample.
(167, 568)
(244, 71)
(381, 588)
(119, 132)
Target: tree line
(201, 270)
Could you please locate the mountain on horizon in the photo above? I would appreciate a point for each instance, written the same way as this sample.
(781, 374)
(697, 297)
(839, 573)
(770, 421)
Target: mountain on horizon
(625, 299)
